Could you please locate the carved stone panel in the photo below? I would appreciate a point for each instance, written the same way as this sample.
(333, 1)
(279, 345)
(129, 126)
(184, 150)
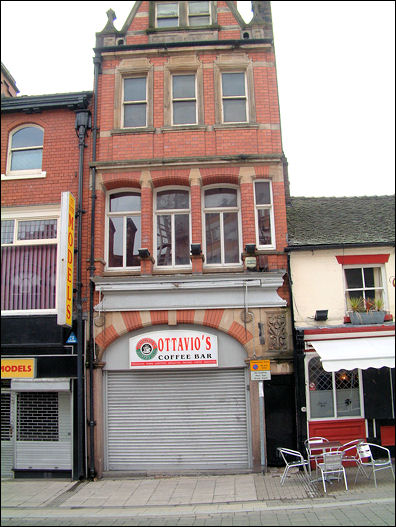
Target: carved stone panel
(277, 331)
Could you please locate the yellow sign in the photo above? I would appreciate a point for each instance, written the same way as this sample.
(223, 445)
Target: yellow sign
(18, 368)
(65, 284)
(260, 365)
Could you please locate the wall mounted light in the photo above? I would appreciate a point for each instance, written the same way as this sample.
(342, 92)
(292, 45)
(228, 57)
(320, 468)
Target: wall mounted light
(321, 314)
(250, 248)
(196, 249)
(144, 253)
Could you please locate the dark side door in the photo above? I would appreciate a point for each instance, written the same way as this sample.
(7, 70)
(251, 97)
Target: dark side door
(280, 416)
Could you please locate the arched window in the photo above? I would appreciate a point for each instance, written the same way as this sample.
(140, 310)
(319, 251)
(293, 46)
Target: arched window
(172, 212)
(25, 152)
(123, 229)
(221, 216)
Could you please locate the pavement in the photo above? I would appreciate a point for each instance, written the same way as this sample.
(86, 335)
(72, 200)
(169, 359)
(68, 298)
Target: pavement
(162, 496)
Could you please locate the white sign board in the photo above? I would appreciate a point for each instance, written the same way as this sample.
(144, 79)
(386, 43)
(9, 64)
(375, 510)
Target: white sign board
(173, 349)
(260, 375)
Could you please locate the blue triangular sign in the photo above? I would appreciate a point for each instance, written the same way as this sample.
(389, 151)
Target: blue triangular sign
(72, 339)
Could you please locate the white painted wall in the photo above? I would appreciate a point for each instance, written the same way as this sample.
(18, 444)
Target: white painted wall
(317, 282)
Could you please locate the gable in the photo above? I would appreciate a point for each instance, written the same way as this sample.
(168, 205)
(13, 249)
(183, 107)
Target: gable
(177, 21)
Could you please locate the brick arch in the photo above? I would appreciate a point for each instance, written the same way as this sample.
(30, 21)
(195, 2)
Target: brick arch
(114, 181)
(129, 321)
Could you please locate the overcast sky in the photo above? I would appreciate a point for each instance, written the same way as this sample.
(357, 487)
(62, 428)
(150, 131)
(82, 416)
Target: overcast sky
(335, 68)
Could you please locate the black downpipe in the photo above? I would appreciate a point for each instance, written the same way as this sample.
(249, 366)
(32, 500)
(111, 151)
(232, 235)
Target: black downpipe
(83, 123)
(298, 362)
(97, 61)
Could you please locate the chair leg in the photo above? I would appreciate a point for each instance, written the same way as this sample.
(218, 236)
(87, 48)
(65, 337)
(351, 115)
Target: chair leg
(375, 479)
(324, 482)
(346, 484)
(284, 475)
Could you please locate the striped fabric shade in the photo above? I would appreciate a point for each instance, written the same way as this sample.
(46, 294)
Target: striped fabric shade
(28, 277)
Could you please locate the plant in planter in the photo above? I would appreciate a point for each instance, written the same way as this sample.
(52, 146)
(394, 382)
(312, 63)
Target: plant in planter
(366, 311)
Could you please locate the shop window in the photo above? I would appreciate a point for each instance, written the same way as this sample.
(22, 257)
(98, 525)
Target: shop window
(332, 394)
(172, 215)
(123, 229)
(221, 216)
(25, 153)
(135, 102)
(265, 237)
(184, 101)
(365, 282)
(234, 98)
(29, 265)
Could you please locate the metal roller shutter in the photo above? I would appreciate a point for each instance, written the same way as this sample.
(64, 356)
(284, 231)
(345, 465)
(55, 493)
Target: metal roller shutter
(176, 420)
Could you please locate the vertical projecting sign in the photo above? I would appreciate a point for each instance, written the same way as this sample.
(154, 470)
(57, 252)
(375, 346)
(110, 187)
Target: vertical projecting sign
(66, 260)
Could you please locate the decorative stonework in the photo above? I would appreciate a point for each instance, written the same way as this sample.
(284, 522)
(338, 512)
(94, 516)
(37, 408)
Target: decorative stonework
(277, 332)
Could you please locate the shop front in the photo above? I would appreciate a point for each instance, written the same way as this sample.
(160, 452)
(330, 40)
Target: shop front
(174, 400)
(349, 383)
(37, 399)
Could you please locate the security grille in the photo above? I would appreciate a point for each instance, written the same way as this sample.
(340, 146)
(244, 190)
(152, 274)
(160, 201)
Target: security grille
(176, 420)
(5, 416)
(37, 416)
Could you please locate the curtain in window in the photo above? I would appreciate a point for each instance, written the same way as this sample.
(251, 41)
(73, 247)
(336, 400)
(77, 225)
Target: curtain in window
(28, 277)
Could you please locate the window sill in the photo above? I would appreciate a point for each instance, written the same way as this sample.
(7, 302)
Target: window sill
(226, 126)
(182, 127)
(141, 130)
(5, 177)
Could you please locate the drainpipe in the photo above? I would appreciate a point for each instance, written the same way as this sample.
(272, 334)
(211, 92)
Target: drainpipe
(82, 125)
(299, 391)
(91, 358)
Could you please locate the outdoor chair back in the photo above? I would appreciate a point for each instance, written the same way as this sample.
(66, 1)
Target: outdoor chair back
(368, 465)
(292, 458)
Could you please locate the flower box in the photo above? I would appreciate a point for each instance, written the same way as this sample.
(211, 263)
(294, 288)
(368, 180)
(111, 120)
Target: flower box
(367, 317)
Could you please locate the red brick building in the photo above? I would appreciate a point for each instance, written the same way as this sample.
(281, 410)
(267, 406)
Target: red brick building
(42, 432)
(188, 188)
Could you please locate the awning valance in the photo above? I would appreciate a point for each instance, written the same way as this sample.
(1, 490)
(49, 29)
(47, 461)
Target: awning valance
(363, 353)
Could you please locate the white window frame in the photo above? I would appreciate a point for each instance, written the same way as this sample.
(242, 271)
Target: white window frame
(25, 214)
(30, 173)
(157, 17)
(234, 97)
(208, 13)
(308, 357)
(221, 210)
(131, 103)
(172, 213)
(269, 207)
(123, 214)
(381, 267)
(185, 99)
